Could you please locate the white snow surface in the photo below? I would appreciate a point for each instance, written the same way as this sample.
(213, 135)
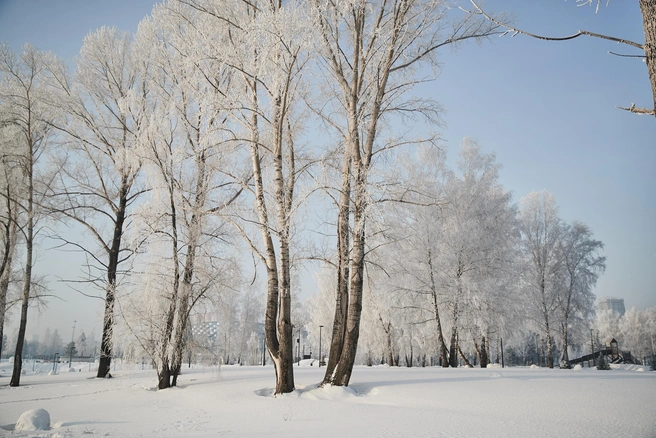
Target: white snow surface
(380, 402)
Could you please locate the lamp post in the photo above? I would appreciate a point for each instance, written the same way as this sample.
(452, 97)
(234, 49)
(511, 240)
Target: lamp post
(70, 358)
(320, 358)
(298, 346)
(263, 349)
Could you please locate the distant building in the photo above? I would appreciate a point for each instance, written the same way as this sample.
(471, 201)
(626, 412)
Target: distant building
(205, 330)
(615, 305)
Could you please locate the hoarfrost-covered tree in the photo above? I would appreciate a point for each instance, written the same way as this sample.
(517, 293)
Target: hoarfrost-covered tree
(268, 51)
(370, 51)
(542, 231)
(105, 114)
(607, 324)
(185, 146)
(477, 246)
(24, 112)
(581, 267)
(9, 183)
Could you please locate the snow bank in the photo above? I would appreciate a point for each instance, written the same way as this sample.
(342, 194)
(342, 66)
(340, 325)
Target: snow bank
(35, 419)
(329, 392)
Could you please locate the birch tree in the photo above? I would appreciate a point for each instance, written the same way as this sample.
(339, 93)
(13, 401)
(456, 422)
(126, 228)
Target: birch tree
(23, 98)
(479, 239)
(541, 231)
(185, 146)
(9, 182)
(105, 115)
(371, 52)
(271, 57)
(582, 265)
(263, 44)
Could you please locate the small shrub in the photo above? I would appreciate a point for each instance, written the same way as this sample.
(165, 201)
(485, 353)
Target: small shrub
(602, 364)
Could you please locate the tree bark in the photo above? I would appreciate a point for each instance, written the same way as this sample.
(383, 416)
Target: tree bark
(444, 353)
(565, 345)
(110, 293)
(648, 10)
(277, 319)
(5, 268)
(453, 347)
(463, 357)
(27, 275)
(549, 344)
(483, 356)
(195, 228)
(344, 368)
(341, 299)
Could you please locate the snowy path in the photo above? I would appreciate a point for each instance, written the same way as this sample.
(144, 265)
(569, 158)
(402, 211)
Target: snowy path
(381, 402)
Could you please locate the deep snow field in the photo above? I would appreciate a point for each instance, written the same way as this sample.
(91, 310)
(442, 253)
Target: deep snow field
(380, 402)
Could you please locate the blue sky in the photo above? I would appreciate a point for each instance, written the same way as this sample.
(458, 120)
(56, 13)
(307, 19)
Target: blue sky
(547, 109)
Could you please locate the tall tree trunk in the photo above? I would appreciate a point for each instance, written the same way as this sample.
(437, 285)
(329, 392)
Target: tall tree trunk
(341, 299)
(648, 10)
(453, 347)
(110, 292)
(183, 311)
(483, 355)
(6, 266)
(277, 318)
(444, 353)
(27, 275)
(549, 344)
(463, 357)
(408, 360)
(565, 344)
(180, 331)
(387, 328)
(344, 368)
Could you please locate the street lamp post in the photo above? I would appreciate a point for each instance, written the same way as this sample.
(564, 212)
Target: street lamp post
(263, 349)
(298, 346)
(70, 358)
(320, 358)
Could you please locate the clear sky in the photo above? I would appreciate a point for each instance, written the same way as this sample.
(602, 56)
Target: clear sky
(547, 109)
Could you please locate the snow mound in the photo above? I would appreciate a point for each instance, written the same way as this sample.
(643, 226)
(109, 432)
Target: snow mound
(72, 370)
(330, 392)
(493, 365)
(35, 419)
(577, 367)
(534, 367)
(627, 367)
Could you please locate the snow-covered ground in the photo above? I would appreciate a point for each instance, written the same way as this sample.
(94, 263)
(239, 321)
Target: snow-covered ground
(381, 402)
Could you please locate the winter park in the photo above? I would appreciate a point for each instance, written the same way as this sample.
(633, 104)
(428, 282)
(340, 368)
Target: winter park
(372, 218)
